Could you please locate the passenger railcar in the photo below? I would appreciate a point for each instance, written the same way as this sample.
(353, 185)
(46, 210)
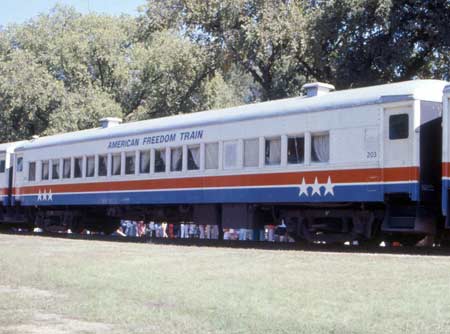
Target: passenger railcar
(333, 165)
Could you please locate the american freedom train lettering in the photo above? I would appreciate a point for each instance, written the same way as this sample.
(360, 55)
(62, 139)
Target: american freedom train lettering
(158, 139)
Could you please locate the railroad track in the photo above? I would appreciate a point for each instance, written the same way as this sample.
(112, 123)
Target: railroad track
(265, 245)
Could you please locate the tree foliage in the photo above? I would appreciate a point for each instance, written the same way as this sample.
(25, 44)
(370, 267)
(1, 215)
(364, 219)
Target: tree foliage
(62, 71)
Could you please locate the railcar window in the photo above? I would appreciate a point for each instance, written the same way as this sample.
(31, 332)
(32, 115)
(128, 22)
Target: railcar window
(78, 169)
(273, 151)
(32, 171)
(160, 161)
(130, 163)
(194, 157)
(212, 156)
(45, 170)
(398, 126)
(251, 152)
(102, 165)
(66, 168)
(55, 169)
(19, 164)
(230, 154)
(320, 148)
(90, 166)
(176, 159)
(2, 166)
(116, 164)
(144, 166)
(296, 150)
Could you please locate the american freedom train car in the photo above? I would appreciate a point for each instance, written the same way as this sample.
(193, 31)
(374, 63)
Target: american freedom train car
(333, 165)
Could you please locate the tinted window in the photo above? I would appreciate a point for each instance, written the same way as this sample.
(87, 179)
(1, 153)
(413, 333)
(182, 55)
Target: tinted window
(320, 148)
(2, 166)
(398, 126)
(273, 151)
(45, 169)
(160, 161)
(55, 169)
(212, 156)
(78, 162)
(102, 165)
(176, 156)
(116, 164)
(251, 152)
(66, 168)
(145, 162)
(32, 171)
(194, 158)
(130, 163)
(90, 166)
(19, 164)
(296, 150)
(230, 154)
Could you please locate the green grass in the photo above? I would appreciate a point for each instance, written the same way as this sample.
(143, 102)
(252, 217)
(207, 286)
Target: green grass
(72, 286)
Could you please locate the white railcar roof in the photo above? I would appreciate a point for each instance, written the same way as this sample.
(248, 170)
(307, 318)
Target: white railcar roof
(427, 90)
(10, 146)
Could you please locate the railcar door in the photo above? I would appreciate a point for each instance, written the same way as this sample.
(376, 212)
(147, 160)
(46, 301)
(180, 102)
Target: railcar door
(398, 149)
(4, 179)
(18, 166)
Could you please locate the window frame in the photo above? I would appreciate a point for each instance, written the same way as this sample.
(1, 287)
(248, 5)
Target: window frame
(47, 162)
(391, 137)
(320, 133)
(164, 154)
(89, 158)
(131, 154)
(280, 137)
(19, 170)
(63, 177)
(257, 139)
(188, 147)
(58, 161)
(218, 160)
(81, 168)
(29, 170)
(113, 155)
(230, 142)
(141, 152)
(294, 136)
(106, 165)
(171, 149)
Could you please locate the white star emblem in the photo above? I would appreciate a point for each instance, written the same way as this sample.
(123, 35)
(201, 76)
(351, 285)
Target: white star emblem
(44, 196)
(316, 188)
(303, 188)
(50, 195)
(329, 188)
(39, 198)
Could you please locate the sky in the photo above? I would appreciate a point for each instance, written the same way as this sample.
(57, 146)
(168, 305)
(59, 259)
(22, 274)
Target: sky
(18, 11)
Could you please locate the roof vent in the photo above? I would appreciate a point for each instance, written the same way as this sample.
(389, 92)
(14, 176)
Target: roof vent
(317, 89)
(109, 122)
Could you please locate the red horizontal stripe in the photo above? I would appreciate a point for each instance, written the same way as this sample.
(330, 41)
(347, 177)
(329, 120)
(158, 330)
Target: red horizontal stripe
(446, 169)
(250, 180)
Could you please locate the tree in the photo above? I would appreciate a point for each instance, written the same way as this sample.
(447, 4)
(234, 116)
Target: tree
(171, 77)
(263, 37)
(29, 95)
(365, 42)
(82, 110)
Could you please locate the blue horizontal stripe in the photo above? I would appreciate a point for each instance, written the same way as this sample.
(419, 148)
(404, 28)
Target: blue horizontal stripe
(345, 193)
